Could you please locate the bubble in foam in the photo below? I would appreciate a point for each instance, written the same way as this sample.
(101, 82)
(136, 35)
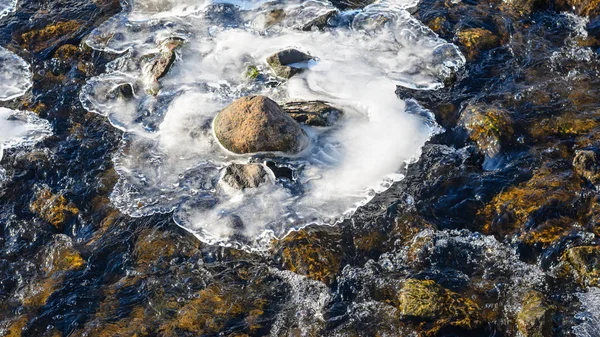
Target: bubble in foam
(15, 76)
(170, 160)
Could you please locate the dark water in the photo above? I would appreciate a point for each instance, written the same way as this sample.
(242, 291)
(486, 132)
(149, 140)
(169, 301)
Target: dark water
(490, 212)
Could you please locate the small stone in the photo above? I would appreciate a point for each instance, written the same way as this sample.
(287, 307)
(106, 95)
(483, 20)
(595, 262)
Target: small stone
(585, 260)
(241, 176)
(476, 40)
(258, 124)
(274, 17)
(281, 62)
(314, 113)
(586, 165)
(535, 317)
(488, 126)
(319, 23)
(159, 64)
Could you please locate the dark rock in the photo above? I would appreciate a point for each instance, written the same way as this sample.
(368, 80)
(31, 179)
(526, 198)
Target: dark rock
(315, 113)
(535, 317)
(586, 165)
(281, 62)
(243, 176)
(257, 124)
(281, 171)
(589, 8)
(124, 91)
(319, 23)
(593, 27)
(351, 4)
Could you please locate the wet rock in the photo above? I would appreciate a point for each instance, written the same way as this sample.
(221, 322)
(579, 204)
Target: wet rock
(123, 91)
(55, 209)
(590, 8)
(257, 124)
(40, 40)
(319, 23)
(243, 176)
(586, 165)
(476, 40)
(535, 317)
(351, 4)
(282, 63)
(61, 256)
(314, 113)
(427, 301)
(488, 126)
(314, 252)
(547, 195)
(585, 261)
(158, 65)
(524, 7)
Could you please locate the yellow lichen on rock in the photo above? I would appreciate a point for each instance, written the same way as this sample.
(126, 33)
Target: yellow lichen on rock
(40, 39)
(476, 40)
(55, 209)
(427, 301)
(585, 262)
(488, 126)
(511, 209)
(316, 254)
(535, 317)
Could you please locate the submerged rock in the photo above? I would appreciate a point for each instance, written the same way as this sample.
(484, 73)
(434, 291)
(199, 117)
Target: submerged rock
(314, 113)
(590, 8)
(535, 317)
(282, 62)
(313, 251)
(585, 261)
(243, 176)
(428, 301)
(55, 209)
(476, 40)
(488, 126)
(586, 165)
(257, 124)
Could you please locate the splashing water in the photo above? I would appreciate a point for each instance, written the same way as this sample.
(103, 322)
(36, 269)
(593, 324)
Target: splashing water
(169, 159)
(15, 76)
(590, 326)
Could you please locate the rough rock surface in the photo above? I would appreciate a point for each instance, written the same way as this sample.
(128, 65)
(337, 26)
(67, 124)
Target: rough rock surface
(585, 260)
(535, 317)
(315, 113)
(159, 64)
(428, 301)
(242, 176)
(586, 165)
(281, 62)
(319, 23)
(257, 124)
(488, 126)
(476, 40)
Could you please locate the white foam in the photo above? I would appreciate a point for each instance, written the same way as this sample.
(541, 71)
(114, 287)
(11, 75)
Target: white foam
(7, 7)
(170, 159)
(21, 129)
(15, 76)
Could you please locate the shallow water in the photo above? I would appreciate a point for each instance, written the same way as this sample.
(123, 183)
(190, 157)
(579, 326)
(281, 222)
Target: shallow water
(420, 182)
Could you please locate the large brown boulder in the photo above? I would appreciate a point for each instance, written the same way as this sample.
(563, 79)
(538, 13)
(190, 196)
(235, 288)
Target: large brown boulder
(258, 124)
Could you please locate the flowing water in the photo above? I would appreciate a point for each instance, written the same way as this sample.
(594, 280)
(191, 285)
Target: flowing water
(451, 171)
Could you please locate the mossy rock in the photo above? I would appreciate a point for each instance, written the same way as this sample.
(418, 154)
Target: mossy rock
(55, 209)
(585, 261)
(425, 300)
(476, 40)
(490, 127)
(535, 317)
